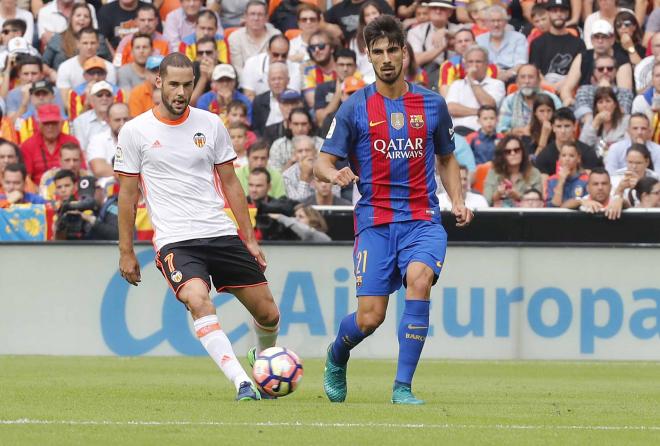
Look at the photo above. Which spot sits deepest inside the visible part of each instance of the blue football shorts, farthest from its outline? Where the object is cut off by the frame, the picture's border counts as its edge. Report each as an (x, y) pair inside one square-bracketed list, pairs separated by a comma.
[(382, 254)]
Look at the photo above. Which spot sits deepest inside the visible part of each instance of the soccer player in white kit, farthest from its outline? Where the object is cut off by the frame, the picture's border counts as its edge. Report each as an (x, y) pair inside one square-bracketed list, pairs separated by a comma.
[(182, 160)]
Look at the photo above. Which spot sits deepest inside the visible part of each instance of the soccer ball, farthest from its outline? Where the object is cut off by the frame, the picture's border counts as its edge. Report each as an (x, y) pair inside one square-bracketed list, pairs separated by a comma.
[(277, 371)]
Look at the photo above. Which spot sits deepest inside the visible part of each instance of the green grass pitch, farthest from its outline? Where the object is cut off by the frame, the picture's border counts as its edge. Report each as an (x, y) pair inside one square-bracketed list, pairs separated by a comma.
[(162, 401)]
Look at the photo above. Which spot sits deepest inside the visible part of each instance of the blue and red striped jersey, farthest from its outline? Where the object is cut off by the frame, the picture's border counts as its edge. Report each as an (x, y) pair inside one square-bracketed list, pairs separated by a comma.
[(391, 146)]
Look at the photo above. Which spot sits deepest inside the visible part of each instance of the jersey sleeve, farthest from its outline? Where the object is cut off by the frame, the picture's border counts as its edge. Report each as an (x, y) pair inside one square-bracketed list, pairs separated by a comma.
[(443, 136), (128, 155), (223, 151), (341, 134)]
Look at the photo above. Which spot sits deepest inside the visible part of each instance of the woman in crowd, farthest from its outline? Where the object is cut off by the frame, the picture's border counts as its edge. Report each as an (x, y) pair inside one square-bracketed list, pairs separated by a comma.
[(608, 124), (63, 46), (648, 191), (629, 36), (308, 224), (414, 73), (570, 182), (511, 175), (638, 165), (540, 128), (281, 152), (368, 12)]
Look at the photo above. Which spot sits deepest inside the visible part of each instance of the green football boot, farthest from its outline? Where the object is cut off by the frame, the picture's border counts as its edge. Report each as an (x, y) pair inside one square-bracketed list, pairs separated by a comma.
[(334, 379), (252, 356), (402, 394)]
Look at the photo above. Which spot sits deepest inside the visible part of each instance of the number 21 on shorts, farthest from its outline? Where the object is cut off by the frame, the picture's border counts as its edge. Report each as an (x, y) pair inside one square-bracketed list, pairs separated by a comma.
[(361, 263)]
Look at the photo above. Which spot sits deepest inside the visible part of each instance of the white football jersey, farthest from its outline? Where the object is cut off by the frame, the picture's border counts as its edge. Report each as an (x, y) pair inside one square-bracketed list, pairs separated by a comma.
[(176, 161)]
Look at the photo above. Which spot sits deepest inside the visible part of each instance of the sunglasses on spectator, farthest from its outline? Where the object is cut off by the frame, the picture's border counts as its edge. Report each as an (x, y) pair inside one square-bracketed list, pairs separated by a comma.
[(625, 24), (318, 46), (205, 52), (512, 151), (608, 68)]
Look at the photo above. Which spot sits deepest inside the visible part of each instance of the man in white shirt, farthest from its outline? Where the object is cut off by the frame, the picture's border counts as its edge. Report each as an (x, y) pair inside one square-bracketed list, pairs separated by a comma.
[(70, 73), (95, 120), (53, 18), (103, 145), (466, 95), (639, 132), (472, 200), (430, 40)]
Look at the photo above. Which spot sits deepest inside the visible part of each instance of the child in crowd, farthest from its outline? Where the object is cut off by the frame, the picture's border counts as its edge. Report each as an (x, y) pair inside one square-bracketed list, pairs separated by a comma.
[(237, 113), (238, 135), (483, 141)]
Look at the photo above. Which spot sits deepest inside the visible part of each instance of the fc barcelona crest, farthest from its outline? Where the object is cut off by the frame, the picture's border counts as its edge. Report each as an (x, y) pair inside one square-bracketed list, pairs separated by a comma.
[(199, 139), (397, 120), (416, 121)]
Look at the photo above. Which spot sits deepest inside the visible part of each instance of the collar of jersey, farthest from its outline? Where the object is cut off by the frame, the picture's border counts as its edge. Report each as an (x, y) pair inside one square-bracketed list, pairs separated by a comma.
[(181, 120)]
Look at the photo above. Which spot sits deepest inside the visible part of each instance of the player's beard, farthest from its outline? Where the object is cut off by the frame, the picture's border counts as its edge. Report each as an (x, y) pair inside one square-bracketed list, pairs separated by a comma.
[(172, 110), (394, 75)]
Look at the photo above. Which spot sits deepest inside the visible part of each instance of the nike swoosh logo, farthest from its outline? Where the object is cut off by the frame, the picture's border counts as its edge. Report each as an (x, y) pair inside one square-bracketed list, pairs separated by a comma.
[(374, 124), (416, 327)]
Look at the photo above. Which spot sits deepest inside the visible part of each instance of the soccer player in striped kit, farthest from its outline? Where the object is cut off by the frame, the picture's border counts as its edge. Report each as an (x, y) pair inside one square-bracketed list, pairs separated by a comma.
[(391, 132), (182, 159)]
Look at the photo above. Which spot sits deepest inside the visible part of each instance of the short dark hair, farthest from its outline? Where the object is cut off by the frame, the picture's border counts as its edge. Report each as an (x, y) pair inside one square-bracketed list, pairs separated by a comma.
[(642, 150), (17, 23), (256, 3), (148, 7), (599, 171), (207, 39), (539, 9), (261, 170), (29, 60), (277, 37), (64, 173), (345, 52), (142, 36), (640, 115), (385, 26), (237, 104), (177, 60), (207, 13), (259, 144), (534, 190), (71, 146), (645, 185), (16, 167), (485, 108), (563, 114), (87, 30)]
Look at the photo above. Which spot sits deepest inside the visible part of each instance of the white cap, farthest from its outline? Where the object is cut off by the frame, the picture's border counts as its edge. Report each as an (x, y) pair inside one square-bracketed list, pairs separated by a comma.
[(100, 86), (18, 45), (602, 27), (223, 70)]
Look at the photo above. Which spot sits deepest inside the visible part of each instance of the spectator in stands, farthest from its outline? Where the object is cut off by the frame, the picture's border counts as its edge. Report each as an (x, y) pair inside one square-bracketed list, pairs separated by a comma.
[(257, 155), (40, 93), (298, 177), (321, 68), (132, 74), (563, 127), (16, 52), (465, 96), (430, 40), (350, 85), (639, 132), (258, 188), (13, 184), (94, 120), (638, 166), (645, 69), (10, 29), (71, 72), (324, 195), (206, 25), (9, 11), (252, 38), (581, 71), (309, 21), (648, 191), (118, 19), (598, 197), (506, 48), (232, 12), (238, 135), (568, 186), (649, 101), (604, 75), (476, 19), (555, 51), (42, 150), (10, 154), (102, 146), (629, 36), (223, 91), (369, 11), (30, 70), (483, 141), (452, 68), (265, 108), (181, 22), (608, 125), (203, 66), (147, 23), (308, 224), (516, 109), (346, 13), (141, 98), (95, 70), (71, 159), (472, 200), (607, 11), (510, 175), (104, 225), (255, 75), (531, 198), (328, 95), (237, 112), (538, 133), (53, 18), (64, 46), (413, 72), (282, 156), (540, 20), (287, 101), (64, 182)]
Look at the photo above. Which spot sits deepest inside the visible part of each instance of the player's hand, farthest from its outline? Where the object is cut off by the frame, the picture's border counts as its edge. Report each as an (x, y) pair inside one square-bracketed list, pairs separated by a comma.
[(129, 268), (463, 215), (255, 250), (344, 177)]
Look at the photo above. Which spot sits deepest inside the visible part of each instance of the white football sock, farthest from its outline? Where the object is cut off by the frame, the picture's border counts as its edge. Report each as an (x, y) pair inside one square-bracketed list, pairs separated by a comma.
[(266, 336), (219, 348)]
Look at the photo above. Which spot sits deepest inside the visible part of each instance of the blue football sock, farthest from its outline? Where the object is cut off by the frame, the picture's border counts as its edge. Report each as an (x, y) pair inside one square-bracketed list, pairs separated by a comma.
[(413, 328), (348, 337)]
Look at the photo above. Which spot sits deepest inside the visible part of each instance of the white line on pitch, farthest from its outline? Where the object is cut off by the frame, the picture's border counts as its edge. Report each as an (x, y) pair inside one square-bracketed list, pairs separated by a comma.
[(27, 421)]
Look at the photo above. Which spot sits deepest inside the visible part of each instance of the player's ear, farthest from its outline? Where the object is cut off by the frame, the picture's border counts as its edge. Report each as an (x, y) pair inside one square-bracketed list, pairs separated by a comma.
[(159, 81)]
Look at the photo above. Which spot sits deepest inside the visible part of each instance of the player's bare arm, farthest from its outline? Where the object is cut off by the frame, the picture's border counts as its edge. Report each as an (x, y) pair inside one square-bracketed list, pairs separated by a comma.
[(128, 200), (235, 196), (451, 179), (324, 170)]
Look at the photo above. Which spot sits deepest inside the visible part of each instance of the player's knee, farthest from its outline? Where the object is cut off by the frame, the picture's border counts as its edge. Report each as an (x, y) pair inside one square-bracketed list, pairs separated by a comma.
[(197, 300), (269, 317), (419, 284), (370, 321)]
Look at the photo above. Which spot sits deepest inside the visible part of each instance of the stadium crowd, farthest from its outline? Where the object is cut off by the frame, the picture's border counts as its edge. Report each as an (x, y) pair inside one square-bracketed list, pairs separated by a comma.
[(555, 103)]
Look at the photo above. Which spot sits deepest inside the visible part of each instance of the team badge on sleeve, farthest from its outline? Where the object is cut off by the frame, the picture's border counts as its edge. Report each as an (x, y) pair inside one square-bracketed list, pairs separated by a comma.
[(199, 139), (397, 120), (416, 121)]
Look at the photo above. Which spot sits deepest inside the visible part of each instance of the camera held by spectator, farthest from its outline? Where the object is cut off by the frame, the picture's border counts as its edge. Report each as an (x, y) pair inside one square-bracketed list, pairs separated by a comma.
[(73, 214)]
